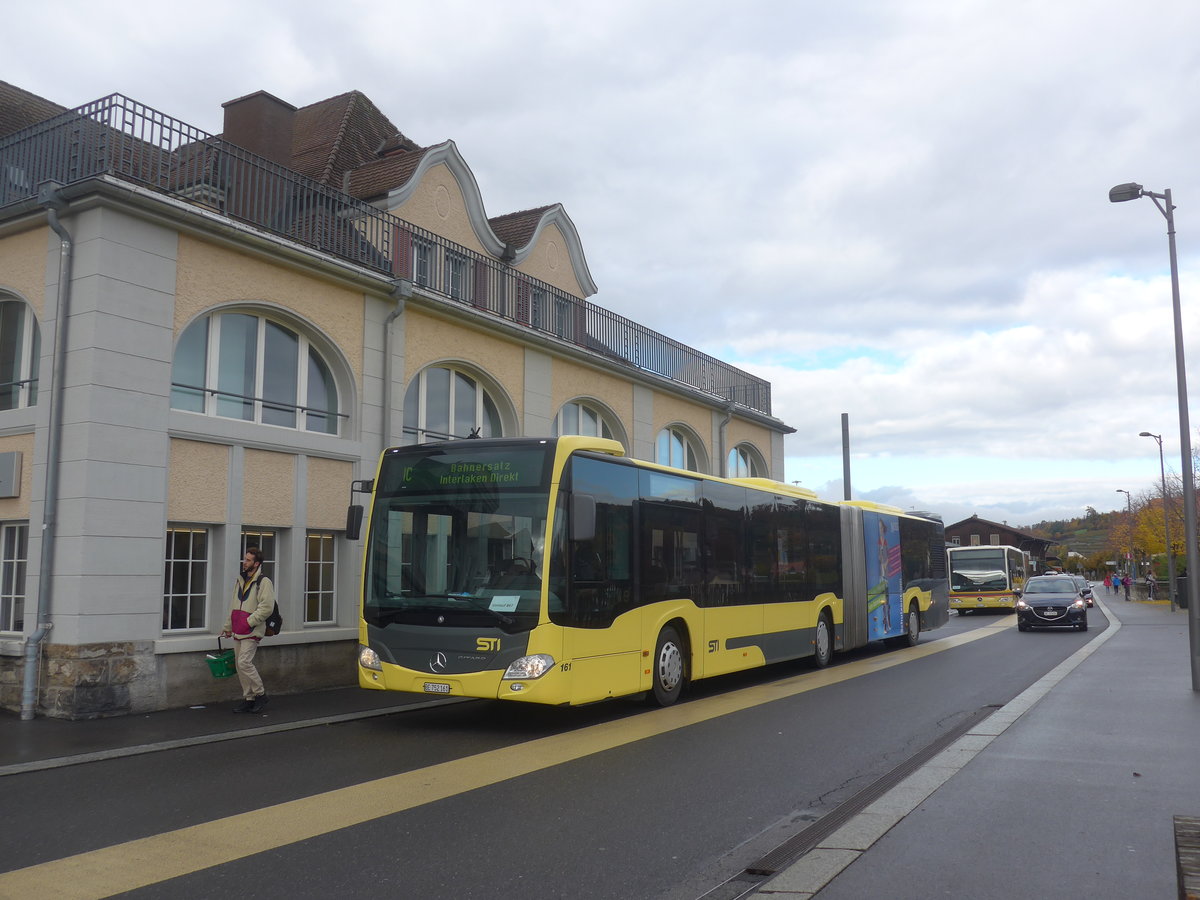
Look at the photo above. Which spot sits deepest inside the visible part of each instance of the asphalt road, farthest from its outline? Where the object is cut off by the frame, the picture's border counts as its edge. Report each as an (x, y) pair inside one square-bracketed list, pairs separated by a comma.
[(495, 801)]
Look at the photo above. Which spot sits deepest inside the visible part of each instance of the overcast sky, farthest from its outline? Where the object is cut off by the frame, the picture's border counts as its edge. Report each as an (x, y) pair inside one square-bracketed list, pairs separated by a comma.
[(894, 209)]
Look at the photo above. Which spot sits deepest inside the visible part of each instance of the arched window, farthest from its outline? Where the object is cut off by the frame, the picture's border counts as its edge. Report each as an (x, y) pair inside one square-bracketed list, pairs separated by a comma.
[(581, 417), (443, 403), (240, 365), (676, 448), (20, 350), (744, 462)]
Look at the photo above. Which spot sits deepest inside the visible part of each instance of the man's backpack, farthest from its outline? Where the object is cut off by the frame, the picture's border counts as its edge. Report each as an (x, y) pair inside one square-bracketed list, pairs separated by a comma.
[(274, 622)]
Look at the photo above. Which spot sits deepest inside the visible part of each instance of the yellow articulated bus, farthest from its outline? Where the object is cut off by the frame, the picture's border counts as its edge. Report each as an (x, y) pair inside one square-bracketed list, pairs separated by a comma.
[(986, 577), (559, 571)]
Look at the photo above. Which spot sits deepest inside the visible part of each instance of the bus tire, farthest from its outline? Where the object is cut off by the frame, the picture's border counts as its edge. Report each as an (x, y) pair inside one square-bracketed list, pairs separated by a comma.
[(669, 672), (823, 641), (912, 628)]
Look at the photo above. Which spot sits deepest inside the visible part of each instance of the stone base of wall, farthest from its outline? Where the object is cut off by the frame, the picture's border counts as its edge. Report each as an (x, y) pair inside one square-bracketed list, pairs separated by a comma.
[(97, 680)]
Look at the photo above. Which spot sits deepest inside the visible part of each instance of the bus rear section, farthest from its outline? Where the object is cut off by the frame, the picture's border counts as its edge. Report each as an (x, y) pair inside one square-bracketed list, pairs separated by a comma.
[(988, 577), (895, 575)]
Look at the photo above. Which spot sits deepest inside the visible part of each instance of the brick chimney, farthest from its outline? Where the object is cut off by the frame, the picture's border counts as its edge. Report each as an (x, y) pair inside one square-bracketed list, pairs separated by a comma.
[(262, 124)]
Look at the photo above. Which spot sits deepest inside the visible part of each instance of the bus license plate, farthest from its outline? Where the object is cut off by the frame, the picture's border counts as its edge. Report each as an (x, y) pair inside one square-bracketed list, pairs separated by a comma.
[(434, 687)]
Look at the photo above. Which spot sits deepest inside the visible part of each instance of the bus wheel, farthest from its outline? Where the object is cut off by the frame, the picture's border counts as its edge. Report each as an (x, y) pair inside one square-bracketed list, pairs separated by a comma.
[(912, 628), (669, 673), (823, 641)]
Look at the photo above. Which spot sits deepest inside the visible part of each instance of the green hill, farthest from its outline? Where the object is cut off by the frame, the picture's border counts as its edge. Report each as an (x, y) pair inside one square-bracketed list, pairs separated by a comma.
[(1086, 536)]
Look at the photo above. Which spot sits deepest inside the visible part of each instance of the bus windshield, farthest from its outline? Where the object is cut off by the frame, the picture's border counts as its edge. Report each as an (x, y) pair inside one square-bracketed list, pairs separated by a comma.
[(458, 536), (978, 570)]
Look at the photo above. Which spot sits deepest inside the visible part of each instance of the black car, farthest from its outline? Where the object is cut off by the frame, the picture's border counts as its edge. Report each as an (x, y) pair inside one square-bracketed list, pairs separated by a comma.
[(1085, 588), (1051, 601)]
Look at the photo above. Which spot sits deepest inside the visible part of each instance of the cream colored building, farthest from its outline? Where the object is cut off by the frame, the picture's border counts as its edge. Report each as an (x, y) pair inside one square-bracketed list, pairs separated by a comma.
[(204, 340)]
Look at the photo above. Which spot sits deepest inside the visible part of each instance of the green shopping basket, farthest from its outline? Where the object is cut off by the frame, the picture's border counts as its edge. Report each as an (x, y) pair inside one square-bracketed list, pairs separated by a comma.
[(221, 663)]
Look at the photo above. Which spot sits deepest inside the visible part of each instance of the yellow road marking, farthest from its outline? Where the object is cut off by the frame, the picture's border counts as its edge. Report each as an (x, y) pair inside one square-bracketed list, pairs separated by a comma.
[(161, 857)]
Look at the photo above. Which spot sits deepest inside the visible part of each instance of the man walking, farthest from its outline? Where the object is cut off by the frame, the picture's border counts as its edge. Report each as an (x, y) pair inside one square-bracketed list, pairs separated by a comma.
[(253, 600)]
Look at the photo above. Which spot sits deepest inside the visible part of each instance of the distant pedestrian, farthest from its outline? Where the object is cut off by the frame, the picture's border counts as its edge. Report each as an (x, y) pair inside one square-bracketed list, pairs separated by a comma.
[(1126, 582), (1108, 583)]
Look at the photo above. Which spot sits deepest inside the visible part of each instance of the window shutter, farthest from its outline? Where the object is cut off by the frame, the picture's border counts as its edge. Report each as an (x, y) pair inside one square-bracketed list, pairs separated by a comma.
[(401, 252), (523, 301), (480, 295), (580, 322)]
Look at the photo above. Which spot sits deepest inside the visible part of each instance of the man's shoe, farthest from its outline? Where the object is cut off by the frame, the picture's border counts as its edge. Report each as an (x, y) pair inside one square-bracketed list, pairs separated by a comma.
[(244, 706), (257, 705)]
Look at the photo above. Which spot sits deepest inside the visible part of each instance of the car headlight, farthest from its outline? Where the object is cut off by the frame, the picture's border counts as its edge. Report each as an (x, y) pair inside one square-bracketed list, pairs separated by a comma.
[(1080, 604), (1021, 604), (369, 659), (529, 668)]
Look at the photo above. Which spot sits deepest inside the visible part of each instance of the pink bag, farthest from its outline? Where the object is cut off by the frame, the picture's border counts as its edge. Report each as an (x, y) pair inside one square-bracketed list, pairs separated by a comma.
[(239, 622)]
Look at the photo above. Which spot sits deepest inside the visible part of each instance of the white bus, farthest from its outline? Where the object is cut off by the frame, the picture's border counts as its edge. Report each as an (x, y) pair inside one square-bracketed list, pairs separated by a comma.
[(986, 577)]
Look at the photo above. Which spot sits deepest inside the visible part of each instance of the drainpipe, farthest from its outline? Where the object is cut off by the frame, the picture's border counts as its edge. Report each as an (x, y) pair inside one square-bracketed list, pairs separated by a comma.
[(402, 289), (724, 470), (50, 198)]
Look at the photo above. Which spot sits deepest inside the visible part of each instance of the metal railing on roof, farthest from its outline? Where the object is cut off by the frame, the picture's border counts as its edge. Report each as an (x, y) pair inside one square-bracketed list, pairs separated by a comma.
[(122, 138)]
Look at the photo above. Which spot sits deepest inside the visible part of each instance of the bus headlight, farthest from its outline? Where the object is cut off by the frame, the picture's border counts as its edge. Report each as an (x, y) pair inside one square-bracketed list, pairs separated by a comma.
[(369, 659), (529, 668)]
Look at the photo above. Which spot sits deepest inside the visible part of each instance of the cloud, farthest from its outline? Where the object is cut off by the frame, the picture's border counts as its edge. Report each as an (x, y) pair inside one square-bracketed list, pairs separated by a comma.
[(893, 209)]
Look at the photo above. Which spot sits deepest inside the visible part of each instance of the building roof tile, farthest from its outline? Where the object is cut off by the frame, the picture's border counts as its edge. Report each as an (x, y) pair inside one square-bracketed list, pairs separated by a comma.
[(21, 109), (377, 177), (335, 136), (517, 228)]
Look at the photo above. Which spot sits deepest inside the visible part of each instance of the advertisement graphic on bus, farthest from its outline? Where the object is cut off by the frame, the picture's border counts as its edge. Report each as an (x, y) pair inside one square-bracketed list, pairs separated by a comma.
[(885, 595)]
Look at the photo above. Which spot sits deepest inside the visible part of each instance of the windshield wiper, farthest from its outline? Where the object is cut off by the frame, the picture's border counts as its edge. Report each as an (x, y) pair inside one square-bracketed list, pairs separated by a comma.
[(478, 604), (475, 602)]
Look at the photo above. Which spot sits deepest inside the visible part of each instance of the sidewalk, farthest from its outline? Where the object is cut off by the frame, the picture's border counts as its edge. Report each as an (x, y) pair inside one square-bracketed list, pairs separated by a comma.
[(45, 743), (1068, 791)]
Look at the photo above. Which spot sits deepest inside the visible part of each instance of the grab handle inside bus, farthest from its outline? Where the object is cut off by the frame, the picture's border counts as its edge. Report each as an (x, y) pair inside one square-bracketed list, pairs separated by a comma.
[(583, 517)]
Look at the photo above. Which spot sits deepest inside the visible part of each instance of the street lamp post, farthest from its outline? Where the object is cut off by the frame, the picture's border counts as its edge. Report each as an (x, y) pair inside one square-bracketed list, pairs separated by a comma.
[(1119, 194), (1129, 517), (1162, 469)]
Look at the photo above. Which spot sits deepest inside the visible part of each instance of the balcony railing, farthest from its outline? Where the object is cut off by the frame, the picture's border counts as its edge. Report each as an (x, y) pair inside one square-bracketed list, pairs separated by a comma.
[(119, 137)]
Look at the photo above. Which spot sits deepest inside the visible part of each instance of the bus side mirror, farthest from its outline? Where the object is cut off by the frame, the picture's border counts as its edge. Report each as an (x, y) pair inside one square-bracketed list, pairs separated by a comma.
[(354, 514), (583, 517), (354, 518)]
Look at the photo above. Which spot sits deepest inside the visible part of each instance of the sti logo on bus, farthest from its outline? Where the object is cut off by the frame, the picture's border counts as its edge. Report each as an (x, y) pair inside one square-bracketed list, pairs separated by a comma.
[(489, 645)]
